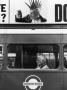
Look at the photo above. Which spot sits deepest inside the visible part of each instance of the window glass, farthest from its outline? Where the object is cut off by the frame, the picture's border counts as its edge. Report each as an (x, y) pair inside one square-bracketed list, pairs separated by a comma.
[(65, 56), (1, 55), (33, 56)]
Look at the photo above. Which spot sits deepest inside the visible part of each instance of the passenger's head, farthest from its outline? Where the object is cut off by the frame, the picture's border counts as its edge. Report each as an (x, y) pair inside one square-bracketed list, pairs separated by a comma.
[(41, 59)]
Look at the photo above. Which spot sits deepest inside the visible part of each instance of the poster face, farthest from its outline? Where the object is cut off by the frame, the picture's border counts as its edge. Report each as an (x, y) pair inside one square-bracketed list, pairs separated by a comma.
[(4, 11)]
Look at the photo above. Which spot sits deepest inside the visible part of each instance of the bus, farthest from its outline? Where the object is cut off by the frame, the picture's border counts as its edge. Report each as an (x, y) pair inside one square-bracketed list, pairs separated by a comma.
[(19, 59)]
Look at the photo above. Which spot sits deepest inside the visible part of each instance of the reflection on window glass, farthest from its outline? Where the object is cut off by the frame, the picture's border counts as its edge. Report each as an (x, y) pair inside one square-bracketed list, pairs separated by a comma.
[(65, 56), (33, 56), (1, 55), (1, 60), (11, 59)]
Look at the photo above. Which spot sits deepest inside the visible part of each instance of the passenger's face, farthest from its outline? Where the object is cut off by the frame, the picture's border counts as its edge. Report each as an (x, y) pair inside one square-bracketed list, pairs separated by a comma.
[(40, 60)]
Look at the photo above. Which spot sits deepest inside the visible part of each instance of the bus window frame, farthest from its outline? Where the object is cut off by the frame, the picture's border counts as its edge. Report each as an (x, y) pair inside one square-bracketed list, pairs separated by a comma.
[(22, 69), (64, 68)]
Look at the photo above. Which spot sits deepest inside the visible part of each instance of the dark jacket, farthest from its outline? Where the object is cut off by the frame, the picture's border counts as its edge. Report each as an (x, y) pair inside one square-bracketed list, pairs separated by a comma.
[(27, 19)]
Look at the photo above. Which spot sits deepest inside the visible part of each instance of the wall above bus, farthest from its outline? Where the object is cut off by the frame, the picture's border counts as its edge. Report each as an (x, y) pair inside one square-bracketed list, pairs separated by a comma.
[(32, 32)]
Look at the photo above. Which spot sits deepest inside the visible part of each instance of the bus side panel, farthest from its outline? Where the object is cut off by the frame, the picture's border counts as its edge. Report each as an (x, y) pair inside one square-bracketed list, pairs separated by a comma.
[(33, 39), (13, 80), (2, 78), (65, 80)]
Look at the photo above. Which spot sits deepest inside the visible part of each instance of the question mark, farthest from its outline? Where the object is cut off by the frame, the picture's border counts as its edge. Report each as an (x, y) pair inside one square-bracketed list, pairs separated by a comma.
[(3, 15)]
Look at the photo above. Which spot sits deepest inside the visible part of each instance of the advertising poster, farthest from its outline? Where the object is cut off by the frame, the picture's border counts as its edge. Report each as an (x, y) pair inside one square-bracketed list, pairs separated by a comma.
[(4, 11), (33, 11), (38, 11)]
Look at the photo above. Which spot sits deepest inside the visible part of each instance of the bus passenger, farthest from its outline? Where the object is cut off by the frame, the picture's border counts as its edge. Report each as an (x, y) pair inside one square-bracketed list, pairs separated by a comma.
[(41, 62)]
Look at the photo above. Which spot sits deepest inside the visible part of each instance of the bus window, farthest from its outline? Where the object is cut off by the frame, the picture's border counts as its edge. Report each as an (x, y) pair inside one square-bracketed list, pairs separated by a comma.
[(65, 56), (33, 56)]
